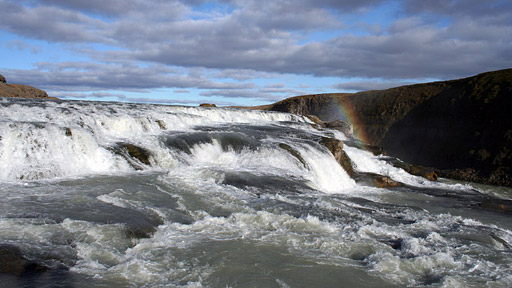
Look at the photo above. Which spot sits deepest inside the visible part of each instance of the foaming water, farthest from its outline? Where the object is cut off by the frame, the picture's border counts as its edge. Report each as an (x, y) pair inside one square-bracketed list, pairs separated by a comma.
[(129, 195)]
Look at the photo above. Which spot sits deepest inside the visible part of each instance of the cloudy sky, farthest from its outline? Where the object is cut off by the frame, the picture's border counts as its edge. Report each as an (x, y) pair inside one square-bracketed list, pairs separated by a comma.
[(246, 52)]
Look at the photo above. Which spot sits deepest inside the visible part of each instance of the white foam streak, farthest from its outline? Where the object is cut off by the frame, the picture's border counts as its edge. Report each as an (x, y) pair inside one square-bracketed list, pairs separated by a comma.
[(365, 161)]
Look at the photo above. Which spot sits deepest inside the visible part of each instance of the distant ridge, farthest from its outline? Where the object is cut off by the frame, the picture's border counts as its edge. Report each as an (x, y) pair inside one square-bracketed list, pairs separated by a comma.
[(20, 90), (462, 128)]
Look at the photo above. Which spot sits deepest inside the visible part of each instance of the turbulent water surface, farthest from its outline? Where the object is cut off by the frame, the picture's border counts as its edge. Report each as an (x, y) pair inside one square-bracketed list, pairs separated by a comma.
[(131, 195)]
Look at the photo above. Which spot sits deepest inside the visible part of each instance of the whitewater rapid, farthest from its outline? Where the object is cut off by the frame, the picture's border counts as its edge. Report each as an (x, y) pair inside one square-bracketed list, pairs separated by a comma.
[(64, 140), (135, 195)]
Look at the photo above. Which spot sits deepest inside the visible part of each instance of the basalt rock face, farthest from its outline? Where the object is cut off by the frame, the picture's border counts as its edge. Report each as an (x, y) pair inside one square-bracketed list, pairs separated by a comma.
[(20, 90), (454, 126), (466, 125)]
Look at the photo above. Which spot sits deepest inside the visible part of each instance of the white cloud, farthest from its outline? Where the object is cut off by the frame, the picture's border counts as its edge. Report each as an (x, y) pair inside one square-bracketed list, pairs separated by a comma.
[(140, 45)]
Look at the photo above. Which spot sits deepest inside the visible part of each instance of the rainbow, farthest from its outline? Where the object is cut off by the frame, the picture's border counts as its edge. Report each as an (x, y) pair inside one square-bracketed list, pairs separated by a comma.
[(346, 111)]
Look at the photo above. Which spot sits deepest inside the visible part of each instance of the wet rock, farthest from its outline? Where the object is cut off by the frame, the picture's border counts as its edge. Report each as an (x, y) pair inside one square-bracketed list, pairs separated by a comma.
[(140, 232), (375, 150), (135, 155), (342, 126), (427, 173), (13, 262), (318, 124), (497, 205), (376, 180), (207, 105), (396, 243), (161, 124), (467, 174), (336, 148), (384, 181), (137, 152), (316, 120), (294, 153), (501, 241)]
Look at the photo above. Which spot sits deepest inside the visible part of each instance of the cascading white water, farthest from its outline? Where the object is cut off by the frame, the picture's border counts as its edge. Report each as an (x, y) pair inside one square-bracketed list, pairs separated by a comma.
[(73, 139), (132, 195)]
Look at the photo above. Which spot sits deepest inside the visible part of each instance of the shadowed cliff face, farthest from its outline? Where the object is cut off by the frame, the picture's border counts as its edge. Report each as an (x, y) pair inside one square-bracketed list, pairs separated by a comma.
[(466, 125), (461, 127)]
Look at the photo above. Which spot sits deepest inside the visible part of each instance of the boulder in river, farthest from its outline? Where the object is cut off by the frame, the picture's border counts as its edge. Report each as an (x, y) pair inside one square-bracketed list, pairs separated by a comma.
[(13, 262), (134, 154), (376, 180), (336, 148)]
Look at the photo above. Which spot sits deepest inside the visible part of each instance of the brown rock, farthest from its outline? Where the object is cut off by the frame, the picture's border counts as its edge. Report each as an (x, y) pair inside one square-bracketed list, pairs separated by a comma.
[(385, 182), (137, 152), (427, 173), (14, 263), (316, 120), (135, 155), (294, 153), (376, 180), (342, 126), (207, 105), (161, 124), (468, 174), (336, 148), (25, 91), (21, 91), (317, 123)]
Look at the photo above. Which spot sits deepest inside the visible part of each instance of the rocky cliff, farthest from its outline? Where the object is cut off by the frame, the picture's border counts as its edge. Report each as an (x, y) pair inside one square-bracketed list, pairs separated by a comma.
[(20, 90), (462, 128)]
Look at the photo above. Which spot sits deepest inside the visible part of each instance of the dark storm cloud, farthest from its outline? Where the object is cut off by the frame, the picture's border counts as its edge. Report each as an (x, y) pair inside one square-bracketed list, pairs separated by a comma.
[(78, 76), (121, 8), (174, 101), (346, 6), (421, 51), (285, 15), (122, 97), (411, 47), (50, 23), (242, 94), (472, 8)]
